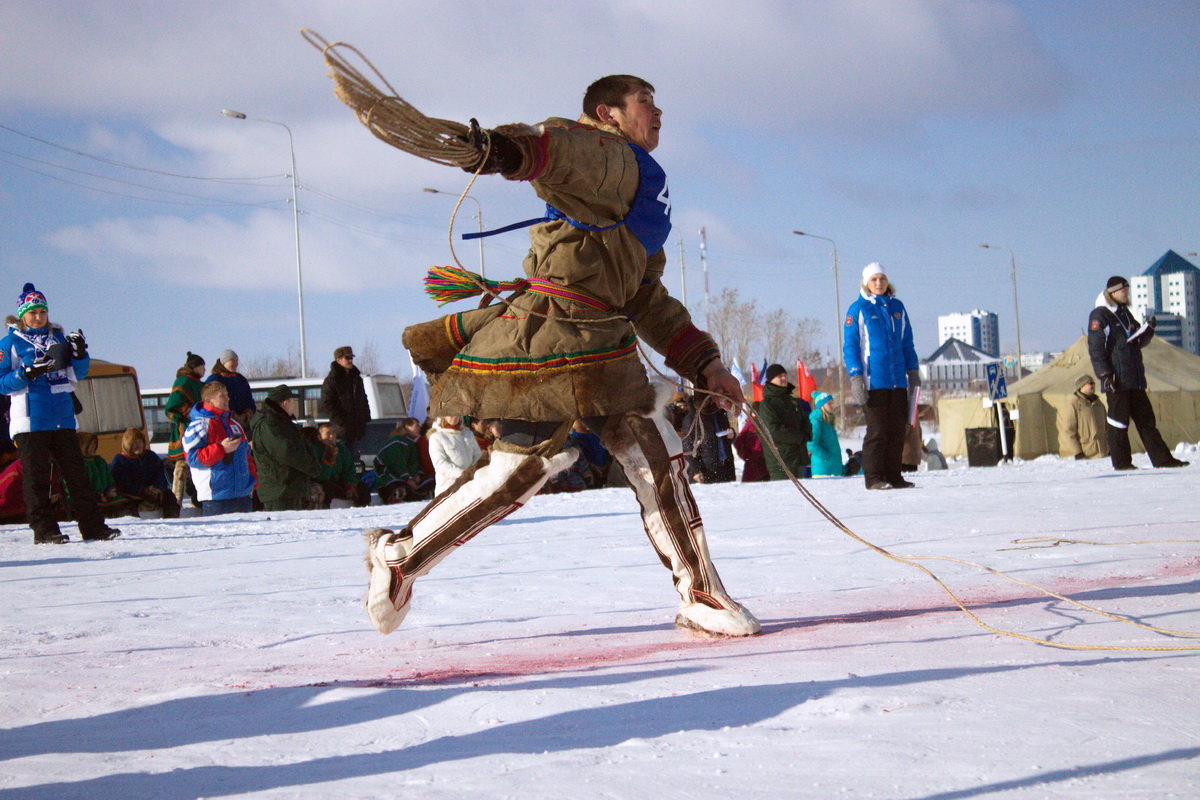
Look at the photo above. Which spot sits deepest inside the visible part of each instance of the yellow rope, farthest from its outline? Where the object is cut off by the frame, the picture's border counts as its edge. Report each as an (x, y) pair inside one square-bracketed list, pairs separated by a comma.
[(392, 120), (1042, 542), (911, 561)]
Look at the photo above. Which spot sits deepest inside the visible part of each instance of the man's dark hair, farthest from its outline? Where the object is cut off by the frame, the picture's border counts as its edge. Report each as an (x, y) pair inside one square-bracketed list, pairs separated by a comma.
[(610, 91)]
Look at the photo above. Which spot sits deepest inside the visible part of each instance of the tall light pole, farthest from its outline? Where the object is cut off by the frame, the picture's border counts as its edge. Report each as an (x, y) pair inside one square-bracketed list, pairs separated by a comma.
[(1016, 306), (296, 219), (478, 221), (704, 267), (837, 326)]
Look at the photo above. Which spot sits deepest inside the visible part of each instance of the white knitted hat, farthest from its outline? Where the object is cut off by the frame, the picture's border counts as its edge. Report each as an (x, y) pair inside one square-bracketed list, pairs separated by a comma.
[(873, 269)]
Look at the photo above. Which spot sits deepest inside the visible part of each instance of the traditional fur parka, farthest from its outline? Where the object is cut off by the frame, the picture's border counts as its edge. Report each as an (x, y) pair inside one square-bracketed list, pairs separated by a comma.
[(571, 353)]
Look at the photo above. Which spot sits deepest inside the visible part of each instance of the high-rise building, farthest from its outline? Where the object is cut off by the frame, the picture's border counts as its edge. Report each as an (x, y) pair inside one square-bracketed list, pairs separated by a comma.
[(1170, 289), (980, 329)]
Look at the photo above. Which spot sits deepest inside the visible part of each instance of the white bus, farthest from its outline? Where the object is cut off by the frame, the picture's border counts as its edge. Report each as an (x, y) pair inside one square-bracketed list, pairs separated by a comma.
[(384, 396)]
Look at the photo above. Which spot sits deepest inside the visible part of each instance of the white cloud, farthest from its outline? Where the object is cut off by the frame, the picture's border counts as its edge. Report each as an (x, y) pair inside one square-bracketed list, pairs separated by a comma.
[(764, 61), (257, 253)]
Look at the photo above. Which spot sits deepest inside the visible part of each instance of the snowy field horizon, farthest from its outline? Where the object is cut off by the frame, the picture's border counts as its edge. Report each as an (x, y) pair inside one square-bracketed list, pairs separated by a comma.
[(231, 656)]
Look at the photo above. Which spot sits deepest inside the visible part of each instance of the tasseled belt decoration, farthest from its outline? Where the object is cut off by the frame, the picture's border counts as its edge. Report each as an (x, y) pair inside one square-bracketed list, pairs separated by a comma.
[(447, 284)]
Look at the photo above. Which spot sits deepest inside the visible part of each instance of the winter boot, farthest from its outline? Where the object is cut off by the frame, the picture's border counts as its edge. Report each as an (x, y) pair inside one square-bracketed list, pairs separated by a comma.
[(717, 622), (389, 593), (651, 457), (51, 537), (101, 534)]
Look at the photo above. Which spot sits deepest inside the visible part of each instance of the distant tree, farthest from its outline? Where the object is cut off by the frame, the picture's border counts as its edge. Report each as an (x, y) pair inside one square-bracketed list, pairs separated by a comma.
[(744, 333), (367, 358), (734, 324), (272, 365)]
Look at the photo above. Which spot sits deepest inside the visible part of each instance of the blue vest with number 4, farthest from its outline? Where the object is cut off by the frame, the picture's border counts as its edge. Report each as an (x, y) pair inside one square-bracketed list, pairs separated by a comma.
[(649, 218)]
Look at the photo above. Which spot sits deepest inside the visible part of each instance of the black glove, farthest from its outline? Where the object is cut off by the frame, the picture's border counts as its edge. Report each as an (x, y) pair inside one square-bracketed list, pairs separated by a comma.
[(37, 369), (1152, 322), (78, 344), (1107, 385), (504, 157), (914, 378)]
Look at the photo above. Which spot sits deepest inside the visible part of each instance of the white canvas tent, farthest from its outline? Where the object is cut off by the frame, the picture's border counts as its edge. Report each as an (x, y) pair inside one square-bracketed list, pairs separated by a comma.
[(1172, 375)]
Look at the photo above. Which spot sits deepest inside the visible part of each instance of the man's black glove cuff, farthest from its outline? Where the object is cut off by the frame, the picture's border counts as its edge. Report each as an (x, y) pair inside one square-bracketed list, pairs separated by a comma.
[(504, 157)]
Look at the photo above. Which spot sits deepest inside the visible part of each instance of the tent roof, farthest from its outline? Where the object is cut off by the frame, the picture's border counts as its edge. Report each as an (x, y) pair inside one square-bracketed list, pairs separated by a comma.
[(1168, 368)]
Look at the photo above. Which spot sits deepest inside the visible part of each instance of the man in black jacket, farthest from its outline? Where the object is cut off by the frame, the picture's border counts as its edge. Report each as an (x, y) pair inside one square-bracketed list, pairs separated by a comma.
[(790, 429), (1115, 342), (344, 398)]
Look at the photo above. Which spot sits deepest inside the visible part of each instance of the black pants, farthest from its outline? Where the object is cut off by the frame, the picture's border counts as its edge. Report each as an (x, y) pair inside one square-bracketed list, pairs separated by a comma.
[(38, 451), (1133, 405), (887, 425)]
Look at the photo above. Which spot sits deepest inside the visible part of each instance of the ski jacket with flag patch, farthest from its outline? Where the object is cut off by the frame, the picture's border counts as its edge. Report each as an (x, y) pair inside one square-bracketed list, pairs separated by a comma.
[(218, 475), (45, 403), (1115, 342), (877, 341)]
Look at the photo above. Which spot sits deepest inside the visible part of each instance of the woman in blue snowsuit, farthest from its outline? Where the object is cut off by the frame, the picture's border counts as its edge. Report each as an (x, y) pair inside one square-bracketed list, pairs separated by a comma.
[(877, 347), (38, 364)]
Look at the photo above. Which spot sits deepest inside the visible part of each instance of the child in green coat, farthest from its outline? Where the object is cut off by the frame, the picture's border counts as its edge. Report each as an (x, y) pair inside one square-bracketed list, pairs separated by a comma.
[(824, 446)]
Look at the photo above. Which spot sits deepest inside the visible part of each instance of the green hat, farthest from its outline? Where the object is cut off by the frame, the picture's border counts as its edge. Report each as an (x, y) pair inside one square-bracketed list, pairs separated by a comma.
[(280, 393)]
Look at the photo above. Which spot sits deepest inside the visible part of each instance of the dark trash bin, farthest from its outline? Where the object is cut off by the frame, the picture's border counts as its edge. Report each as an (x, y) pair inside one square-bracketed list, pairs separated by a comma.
[(983, 447)]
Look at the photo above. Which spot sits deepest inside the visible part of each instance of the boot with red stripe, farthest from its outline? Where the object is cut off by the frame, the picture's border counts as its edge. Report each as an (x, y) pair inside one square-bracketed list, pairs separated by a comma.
[(389, 592)]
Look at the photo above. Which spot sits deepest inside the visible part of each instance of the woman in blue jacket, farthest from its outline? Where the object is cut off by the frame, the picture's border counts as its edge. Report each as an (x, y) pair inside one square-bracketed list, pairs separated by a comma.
[(38, 364), (877, 347)]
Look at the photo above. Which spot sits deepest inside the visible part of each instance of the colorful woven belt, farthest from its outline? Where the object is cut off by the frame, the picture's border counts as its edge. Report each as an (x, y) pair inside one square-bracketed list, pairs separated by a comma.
[(447, 284)]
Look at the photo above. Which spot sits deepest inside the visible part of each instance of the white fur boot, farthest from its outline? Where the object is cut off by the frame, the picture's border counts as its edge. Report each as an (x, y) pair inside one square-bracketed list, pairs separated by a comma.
[(717, 621), (389, 593)]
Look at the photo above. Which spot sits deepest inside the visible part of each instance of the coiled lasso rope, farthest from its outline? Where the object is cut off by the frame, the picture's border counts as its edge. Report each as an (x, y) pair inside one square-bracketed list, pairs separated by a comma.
[(394, 121)]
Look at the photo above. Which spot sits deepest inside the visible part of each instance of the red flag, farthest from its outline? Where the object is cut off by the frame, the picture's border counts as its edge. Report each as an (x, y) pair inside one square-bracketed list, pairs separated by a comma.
[(806, 384), (756, 383)]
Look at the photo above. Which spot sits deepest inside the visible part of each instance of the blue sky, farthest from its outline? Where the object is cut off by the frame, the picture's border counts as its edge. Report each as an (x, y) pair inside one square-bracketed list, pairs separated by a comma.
[(910, 132)]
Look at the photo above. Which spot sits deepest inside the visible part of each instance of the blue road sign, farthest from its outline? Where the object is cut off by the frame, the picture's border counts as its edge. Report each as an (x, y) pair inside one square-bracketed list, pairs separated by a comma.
[(997, 385)]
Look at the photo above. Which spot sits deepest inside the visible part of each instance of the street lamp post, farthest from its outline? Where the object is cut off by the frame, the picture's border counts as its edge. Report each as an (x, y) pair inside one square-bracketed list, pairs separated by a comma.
[(478, 221), (296, 220), (837, 327), (1016, 305)]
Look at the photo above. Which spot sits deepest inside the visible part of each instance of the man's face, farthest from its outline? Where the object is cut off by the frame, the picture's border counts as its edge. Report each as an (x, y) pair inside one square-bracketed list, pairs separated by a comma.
[(780, 380), (346, 361), (639, 119), (1121, 296), (327, 434)]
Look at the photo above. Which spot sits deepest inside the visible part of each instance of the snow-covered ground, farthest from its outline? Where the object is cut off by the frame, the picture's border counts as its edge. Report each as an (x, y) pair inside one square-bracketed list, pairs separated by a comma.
[(232, 658)]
